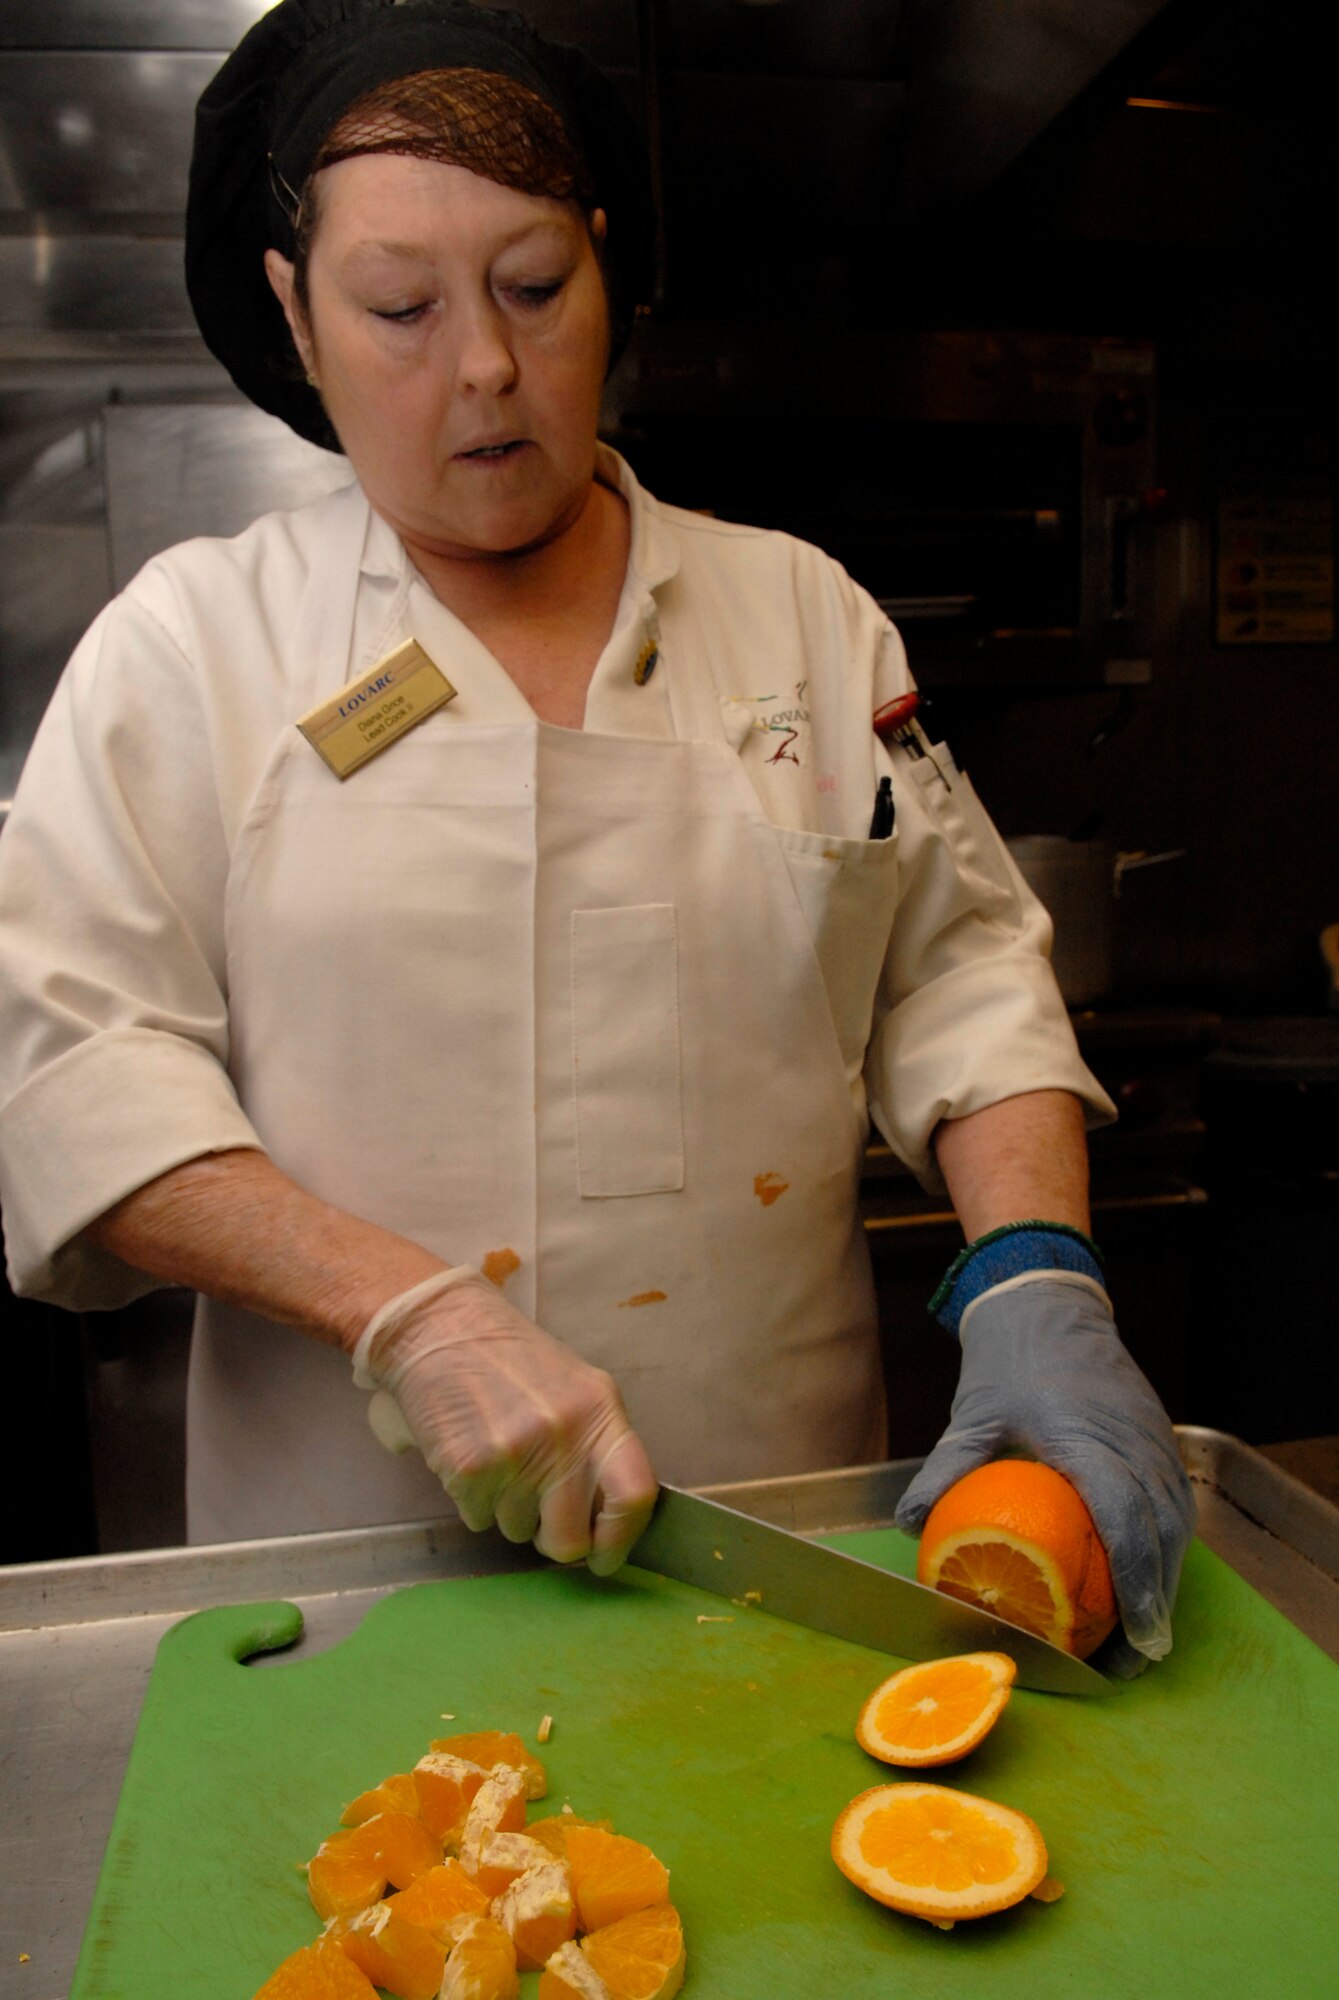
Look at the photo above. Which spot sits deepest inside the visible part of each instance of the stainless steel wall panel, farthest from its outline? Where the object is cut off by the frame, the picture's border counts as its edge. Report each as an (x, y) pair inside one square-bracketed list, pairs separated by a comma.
[(130, 290), (198, 469), (126, 24), (106, 132)]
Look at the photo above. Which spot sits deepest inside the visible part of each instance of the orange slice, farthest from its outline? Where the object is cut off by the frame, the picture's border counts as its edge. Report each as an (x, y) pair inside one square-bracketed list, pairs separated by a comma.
[(351, 1868), (482, 1964), (936, 1853), (345, 1874), (487, 1747), (1015, 1538), (504, 1856), (439, 1898), (612, 1876), (497, 1807), (402, 1957), (538, 1913), (641, 1957), (395, 1794), (937, 1711), (446, 1785), (320, 1971), (569, 1975), (553, 1831)]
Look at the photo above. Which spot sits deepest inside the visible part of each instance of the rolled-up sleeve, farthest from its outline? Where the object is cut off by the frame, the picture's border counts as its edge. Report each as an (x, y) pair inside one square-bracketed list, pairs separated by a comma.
[(113, 1005), (968, 1011)]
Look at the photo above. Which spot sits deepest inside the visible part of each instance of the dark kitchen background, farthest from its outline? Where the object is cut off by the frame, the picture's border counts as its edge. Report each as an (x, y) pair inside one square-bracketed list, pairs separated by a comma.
[(1024, 309)]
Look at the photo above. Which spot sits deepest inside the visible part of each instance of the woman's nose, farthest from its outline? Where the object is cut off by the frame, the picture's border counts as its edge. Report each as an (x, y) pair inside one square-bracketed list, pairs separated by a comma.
[(484, 358)]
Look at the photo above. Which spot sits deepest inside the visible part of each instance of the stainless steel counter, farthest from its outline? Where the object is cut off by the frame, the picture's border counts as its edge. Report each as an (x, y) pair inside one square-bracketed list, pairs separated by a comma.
[(77, 1642)]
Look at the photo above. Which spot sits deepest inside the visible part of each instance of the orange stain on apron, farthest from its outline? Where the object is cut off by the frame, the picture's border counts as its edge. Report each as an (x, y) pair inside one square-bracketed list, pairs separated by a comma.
[(643, 1299), (498, 1266), (769, 1188)]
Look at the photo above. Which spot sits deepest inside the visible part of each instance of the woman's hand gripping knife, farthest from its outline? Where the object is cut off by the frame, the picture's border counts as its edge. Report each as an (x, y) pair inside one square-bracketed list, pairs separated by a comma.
[(518, 1428), (1045, 1373)]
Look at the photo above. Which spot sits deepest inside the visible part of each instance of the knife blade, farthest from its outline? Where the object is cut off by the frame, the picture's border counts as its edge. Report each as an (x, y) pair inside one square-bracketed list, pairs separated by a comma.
[(757, 1566)]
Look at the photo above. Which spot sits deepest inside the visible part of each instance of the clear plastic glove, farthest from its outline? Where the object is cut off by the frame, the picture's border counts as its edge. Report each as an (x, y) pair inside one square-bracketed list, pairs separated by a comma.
[(1044, 1372), (518, 1428)]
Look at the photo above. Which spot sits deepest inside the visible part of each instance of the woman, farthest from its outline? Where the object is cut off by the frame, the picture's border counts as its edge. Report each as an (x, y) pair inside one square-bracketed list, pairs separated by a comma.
[(529, 1060)]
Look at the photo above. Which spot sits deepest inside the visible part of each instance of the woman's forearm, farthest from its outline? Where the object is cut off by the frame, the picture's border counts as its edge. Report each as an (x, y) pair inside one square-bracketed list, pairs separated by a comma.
[(233, 1226), (1022, 1158)]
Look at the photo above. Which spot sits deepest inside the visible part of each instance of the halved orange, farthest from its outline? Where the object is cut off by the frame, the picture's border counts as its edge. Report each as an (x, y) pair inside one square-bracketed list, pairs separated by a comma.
[(939, 1854), (538, 1913), (936, 1711), (641, 1957), (404, 1958), (1015, 1538), (481, 1964), (612, 1876), (438, 1898), (320, 1971), (487, 1747), (397, 1793)]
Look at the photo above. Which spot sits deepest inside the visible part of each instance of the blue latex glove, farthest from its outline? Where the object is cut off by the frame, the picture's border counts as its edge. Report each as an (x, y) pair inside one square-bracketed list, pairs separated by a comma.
[(1045, 1374)]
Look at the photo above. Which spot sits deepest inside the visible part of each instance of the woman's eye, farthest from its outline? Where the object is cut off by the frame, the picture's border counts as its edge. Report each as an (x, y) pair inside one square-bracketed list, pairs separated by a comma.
[(532, 297), (399, 315)]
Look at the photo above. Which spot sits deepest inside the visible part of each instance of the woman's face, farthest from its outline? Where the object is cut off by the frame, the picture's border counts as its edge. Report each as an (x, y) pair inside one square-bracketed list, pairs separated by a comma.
[(458, 333)]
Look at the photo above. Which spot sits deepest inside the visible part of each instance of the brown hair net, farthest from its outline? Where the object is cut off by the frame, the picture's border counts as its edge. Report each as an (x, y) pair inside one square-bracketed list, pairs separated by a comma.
[(488, 123)]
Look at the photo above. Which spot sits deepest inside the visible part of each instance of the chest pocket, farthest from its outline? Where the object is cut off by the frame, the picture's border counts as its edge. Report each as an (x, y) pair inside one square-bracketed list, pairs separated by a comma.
[(847, 893), (626, 1050)]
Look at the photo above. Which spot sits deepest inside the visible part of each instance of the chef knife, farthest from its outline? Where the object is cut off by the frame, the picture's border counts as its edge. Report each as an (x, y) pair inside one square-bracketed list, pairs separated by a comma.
[(759, 1567)]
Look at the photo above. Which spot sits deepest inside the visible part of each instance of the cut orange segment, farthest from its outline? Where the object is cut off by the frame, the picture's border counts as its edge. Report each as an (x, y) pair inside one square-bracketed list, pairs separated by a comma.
[(641, 1957), (345, 1874), (554, 1830), (538, 1913), (394, 1794), (569, 1975), (935, 1712), (1015, 1538), (612, 1876), (936, 1853), (504, 1856), (320, 1971), (402, 1957), (438, 1898), (446, 1785), (405, 1847), (481, 1964), (487, 1747), (351, 1868), (497, 1807)]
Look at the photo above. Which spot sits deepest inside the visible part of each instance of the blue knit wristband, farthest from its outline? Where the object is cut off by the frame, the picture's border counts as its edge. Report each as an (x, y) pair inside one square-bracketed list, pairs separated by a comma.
[(1008, 1253)]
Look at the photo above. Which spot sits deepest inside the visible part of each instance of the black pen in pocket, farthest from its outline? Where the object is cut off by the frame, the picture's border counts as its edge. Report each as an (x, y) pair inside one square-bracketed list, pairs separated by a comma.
[(882, 823)]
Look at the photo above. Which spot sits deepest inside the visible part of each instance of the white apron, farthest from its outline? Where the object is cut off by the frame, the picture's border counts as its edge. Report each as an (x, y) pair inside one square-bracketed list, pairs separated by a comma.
[(528, 990)]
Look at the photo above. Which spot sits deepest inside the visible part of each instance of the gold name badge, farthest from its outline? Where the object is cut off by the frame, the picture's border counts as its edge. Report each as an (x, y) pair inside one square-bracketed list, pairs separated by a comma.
[(367, 716)]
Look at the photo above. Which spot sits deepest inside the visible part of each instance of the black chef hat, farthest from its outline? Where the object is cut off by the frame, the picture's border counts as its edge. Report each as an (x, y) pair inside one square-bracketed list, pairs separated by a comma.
[(263, 119)]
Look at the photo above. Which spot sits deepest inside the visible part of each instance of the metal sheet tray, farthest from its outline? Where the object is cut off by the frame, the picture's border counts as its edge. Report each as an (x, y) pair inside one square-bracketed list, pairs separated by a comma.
[(77, 1642)]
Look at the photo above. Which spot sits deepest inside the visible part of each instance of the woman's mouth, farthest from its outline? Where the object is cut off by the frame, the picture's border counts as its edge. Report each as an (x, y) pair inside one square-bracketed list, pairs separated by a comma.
[(490, 454)]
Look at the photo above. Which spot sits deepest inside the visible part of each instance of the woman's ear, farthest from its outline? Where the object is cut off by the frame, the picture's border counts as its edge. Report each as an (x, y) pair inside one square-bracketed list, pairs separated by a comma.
[(281, 275), (598, 226)]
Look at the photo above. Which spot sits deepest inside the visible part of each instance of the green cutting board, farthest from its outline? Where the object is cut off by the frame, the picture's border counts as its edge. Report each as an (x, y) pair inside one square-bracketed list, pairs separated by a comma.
[(1194, 1819)]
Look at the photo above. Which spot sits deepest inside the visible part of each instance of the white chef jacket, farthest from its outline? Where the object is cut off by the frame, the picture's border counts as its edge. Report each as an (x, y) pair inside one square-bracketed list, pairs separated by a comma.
[(114, 1013)]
